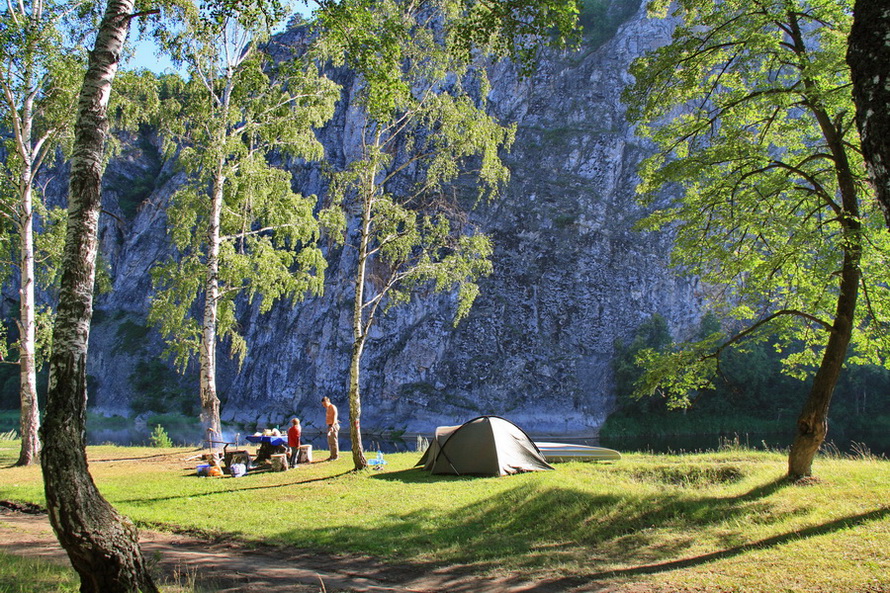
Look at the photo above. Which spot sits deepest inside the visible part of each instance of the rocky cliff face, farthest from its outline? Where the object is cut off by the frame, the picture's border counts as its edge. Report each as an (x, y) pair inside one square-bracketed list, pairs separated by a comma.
[(571, 275)]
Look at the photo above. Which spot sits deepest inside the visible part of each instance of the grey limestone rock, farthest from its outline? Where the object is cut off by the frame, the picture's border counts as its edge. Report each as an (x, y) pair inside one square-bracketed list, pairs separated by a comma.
[(571, 275)]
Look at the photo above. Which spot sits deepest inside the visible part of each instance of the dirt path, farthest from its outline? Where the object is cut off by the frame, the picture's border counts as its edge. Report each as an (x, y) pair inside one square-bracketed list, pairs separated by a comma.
[(225, 567)]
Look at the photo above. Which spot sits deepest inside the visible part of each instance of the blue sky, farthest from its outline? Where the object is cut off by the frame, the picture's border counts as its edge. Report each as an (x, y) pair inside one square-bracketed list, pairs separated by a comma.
[(145, 50), (144, 57)]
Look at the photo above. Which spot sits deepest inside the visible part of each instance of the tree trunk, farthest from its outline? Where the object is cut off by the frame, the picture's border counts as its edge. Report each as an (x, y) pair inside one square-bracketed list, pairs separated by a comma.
[(868, 56), (102, 545), (209, 399), (30, 419), (812, 424), (359, 334), (355, 407)]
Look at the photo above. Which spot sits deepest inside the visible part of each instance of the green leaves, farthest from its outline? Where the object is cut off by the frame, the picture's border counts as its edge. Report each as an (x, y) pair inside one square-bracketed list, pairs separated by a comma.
[(238, 225), (758, 170), (514, 28), (427, 128)]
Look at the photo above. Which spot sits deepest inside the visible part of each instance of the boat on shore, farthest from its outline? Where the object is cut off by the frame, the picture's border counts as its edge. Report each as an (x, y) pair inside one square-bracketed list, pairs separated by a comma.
[(570, 452)]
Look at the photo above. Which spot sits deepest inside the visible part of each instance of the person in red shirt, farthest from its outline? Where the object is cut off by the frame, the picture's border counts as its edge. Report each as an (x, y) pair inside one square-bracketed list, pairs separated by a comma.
[(293, 441)]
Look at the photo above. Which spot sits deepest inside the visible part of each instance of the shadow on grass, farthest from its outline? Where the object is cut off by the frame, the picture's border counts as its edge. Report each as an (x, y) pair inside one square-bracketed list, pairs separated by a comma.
[(144, 500), (142, 458), (533, 526), (417, 475), (769, 542)]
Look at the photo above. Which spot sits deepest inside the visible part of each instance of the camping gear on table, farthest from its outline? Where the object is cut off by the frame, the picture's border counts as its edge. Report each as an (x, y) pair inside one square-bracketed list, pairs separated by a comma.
[(273, 440), (484, 446), (554, 452)]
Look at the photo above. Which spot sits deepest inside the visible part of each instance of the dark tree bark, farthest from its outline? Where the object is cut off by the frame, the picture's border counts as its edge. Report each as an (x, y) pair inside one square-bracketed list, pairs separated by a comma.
[(868, 56), (102, 544), (812, 424)]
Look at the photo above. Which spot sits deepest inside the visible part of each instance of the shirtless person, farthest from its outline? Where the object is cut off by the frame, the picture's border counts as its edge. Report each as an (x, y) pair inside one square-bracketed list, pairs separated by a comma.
[(333, 422)]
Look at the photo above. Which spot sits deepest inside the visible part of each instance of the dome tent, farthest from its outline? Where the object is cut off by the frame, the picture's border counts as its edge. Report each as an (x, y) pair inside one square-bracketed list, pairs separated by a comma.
[(484, 446)]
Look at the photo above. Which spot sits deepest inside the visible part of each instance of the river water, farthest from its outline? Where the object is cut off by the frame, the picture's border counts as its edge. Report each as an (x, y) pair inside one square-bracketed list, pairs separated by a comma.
[(878, 444)]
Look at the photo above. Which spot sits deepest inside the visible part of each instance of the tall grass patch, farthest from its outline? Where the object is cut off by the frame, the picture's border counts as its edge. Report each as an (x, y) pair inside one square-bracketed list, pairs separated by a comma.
[(29, 575)]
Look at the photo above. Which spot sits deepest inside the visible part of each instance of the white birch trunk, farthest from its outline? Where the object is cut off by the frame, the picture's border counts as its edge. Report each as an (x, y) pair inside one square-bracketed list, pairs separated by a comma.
[(23, 129), (30, 419), (209, 399), (103, 545), (359, 334)]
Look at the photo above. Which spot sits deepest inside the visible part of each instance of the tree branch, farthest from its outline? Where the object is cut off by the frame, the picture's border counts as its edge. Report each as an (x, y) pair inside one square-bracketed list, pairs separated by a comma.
[(741, 335)]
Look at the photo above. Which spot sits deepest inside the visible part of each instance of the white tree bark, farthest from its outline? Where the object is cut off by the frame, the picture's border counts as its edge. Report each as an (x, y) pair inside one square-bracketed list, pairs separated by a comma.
[(103, 546), (209, 398), (359, 334), (30, 419)]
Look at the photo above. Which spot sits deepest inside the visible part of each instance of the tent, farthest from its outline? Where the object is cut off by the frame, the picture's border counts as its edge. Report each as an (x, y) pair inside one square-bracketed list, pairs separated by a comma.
[(484, 446)]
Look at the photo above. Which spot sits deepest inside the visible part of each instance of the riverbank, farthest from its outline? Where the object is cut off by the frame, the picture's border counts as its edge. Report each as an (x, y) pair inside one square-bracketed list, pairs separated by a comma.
[(724, 521), (700, 430)]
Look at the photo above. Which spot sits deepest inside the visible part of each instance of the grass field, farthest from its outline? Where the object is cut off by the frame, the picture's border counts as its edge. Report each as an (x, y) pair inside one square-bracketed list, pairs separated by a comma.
[(724, 521)]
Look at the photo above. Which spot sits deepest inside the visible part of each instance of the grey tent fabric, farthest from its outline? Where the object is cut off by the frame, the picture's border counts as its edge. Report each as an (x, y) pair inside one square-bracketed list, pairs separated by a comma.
[(484, 446)]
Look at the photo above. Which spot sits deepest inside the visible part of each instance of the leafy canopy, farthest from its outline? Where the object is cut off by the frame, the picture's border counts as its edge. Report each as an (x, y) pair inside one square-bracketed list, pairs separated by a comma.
[(238, 110), (424, 127), (750, 108)]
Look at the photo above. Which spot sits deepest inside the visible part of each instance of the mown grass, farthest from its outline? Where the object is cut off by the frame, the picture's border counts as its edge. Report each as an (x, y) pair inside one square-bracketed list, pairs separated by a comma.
[(724, 521)]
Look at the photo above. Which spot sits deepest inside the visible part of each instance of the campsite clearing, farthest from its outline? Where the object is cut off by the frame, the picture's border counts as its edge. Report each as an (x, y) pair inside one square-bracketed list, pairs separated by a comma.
[(723, 521)]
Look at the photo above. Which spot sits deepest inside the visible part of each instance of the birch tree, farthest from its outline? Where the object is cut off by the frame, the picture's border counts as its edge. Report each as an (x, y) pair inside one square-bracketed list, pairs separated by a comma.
[(750, 107), (237, 225), (424, 125), (39, 70), (868, 56), (101, 544)]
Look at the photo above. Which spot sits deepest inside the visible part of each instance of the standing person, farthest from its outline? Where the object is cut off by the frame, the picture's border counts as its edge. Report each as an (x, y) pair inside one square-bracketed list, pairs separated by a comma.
[(293, 441), (333, 423)]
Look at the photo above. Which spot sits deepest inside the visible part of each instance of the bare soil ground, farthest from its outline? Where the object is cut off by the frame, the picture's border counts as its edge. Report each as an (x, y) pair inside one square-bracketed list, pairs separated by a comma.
[(232, 567)]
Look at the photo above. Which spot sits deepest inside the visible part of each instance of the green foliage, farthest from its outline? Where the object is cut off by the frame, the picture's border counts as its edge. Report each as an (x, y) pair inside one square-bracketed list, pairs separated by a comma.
[(760, 176), (511, 27), (653, 334), (43, 65), (236, 110), (427, 127), (157, 388), (749, 392), (41, 69), (160, 438)]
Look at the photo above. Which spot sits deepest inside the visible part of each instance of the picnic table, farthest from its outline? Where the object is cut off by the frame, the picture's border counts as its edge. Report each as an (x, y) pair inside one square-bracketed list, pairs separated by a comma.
[(268, 445), (273, 440)]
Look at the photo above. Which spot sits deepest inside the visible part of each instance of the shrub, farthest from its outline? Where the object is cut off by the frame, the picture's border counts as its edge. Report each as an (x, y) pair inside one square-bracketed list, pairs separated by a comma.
[(160, 438)]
